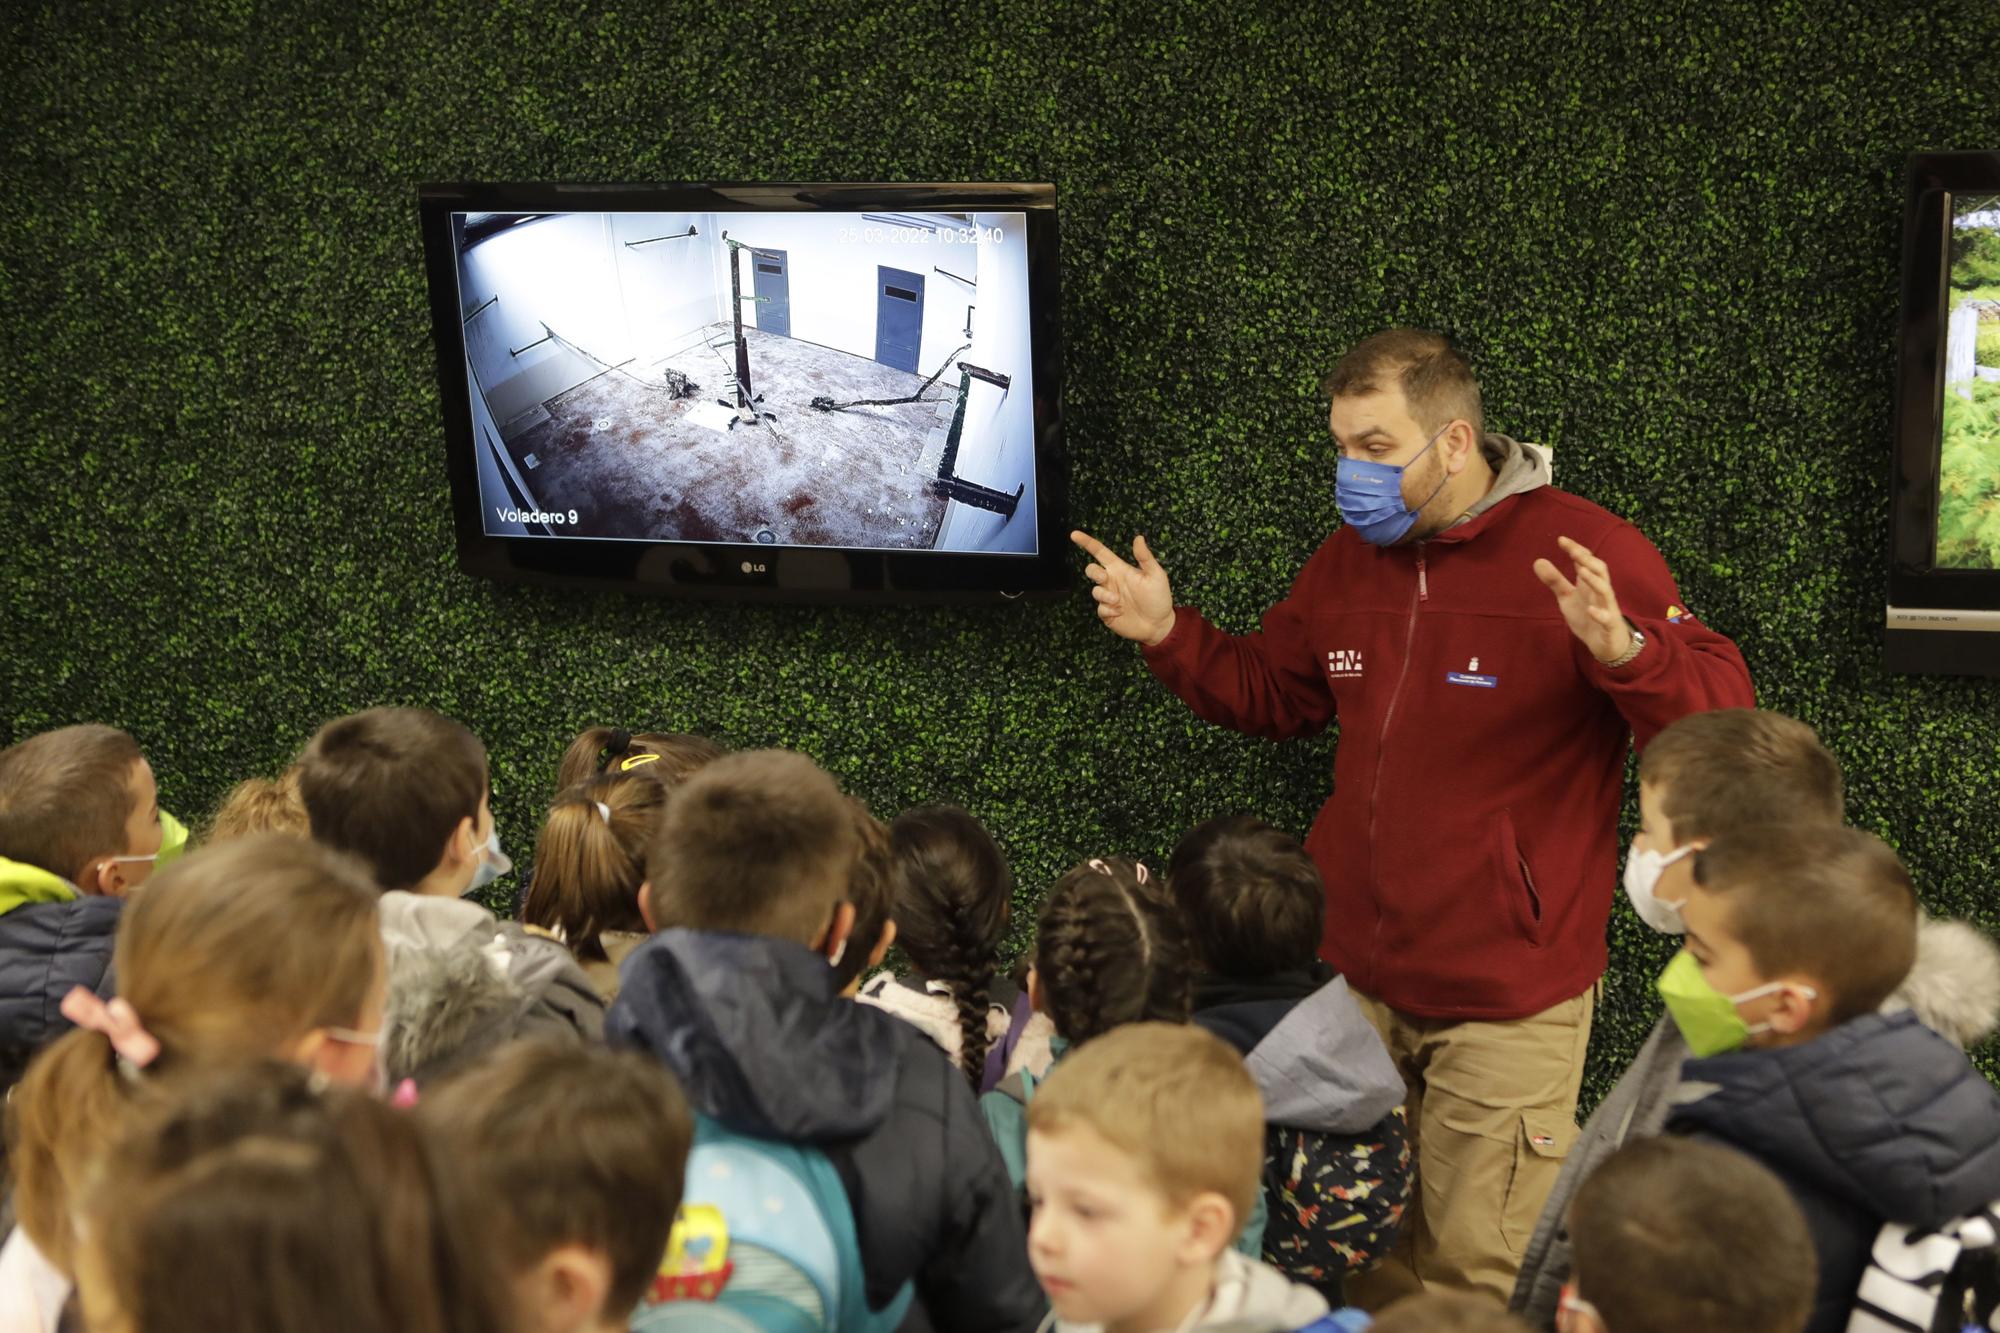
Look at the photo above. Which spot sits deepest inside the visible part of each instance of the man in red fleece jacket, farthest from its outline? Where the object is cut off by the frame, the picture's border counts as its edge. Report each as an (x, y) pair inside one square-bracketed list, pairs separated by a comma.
[(1485, 700)]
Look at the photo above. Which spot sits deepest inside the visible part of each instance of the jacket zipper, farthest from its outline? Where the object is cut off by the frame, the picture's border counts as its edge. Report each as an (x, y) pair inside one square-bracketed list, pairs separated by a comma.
[(1381, 750)]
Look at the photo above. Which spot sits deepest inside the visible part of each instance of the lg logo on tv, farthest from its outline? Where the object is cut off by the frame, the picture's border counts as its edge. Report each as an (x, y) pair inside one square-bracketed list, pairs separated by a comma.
[(752, 567)]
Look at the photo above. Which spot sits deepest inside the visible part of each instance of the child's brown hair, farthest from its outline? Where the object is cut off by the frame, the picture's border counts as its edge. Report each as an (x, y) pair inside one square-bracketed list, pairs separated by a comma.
[(1824, 901), (1727, 767), (1174, 1097), (1672, 1234), (871, 890), (761, 842), (953, 893), (390, 785), (260, 805), (65, 797), (582, 1145), (232, 951), (1253, 899), (247, 1200), (670, 756), (1111, 948), (591, 859)]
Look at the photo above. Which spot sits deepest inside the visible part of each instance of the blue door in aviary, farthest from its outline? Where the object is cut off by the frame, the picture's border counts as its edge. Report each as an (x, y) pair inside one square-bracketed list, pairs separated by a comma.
[(773, 291), (899, 317)]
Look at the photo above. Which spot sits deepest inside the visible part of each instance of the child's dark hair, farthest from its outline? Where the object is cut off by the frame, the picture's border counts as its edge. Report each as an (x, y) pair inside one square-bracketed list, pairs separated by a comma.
[(1110, 948), (390, 785), (953, 892), (65, 796), (670, 755), (870, 891), (1253, 899), (249, 1200), (585, 1146), (1672, 1233), (591, 859)]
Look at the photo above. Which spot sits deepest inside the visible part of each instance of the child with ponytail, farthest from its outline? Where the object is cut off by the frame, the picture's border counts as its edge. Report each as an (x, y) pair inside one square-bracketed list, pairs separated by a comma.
[(952, 897), (589, 864), (671, 756), (265, 947)]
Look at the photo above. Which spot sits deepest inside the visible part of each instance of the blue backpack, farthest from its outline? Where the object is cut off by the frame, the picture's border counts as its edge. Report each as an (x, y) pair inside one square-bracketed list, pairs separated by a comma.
[(764, 1242)]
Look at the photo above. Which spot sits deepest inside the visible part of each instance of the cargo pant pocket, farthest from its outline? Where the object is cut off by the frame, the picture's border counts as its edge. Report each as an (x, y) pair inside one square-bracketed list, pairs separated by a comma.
[(1543, 1141)]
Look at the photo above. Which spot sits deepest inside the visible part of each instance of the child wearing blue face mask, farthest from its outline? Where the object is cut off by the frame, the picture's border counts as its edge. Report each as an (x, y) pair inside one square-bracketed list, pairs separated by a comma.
[(1796, 935), (406, 790), (1699, 778)]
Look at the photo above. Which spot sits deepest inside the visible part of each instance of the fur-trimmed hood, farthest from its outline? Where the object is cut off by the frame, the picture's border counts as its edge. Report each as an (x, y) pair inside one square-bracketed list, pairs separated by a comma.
[(462, 982), (1954, 985)]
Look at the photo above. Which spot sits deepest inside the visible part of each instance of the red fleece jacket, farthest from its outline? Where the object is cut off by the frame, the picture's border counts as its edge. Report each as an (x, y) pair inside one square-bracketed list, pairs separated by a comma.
[(1469, 847)]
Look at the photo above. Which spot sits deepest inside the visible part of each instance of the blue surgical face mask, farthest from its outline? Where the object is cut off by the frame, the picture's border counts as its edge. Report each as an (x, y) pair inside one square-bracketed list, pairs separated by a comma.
[(1370, 496), (493, 863)]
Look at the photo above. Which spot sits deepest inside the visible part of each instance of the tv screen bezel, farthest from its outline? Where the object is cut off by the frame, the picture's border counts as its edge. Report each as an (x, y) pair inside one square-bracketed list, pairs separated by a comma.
[(749, 570), (1914, 577)]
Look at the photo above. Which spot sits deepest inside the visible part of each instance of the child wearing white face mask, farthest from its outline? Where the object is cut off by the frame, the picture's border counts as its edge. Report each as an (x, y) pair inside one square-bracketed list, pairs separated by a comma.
[(1699, 778), (406, 790)]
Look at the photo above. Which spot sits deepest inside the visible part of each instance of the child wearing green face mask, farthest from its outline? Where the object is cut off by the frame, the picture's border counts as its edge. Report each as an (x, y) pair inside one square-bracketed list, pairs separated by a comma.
[(1700, 778), (81, 830), (1796, 934)]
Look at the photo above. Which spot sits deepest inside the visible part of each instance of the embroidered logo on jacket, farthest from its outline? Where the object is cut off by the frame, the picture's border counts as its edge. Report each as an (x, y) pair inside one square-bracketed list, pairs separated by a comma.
[(1344, 663), (1471, 676)]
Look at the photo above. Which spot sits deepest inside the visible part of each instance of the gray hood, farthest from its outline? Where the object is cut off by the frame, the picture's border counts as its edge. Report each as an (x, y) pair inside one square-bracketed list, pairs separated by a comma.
[(1324, 1068), (1250, 1297), (1518, 467)]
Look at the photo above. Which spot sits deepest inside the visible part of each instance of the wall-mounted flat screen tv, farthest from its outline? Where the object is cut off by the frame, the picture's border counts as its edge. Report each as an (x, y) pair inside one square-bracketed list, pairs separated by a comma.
[(771, 390), (1944, 573)]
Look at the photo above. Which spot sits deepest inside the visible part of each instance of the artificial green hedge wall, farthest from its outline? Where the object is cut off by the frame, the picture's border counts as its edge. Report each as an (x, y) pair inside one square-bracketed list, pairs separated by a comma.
[(1667, 234)]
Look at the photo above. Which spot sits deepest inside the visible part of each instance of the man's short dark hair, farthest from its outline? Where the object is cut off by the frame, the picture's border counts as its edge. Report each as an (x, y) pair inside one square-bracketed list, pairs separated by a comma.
[(579, 1145), (1437, 381), (1671, 1234), (65, 797), (1733, 766), (390, 785), (760, 842), (1253, 899)]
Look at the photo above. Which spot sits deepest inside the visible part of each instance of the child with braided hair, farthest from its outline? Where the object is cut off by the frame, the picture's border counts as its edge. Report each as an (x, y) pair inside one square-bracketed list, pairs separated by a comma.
[(1110, 948), (952, 898)]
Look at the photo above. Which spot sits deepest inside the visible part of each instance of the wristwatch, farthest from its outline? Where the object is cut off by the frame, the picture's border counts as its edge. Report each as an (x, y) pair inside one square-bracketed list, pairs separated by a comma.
[(1625, 658)]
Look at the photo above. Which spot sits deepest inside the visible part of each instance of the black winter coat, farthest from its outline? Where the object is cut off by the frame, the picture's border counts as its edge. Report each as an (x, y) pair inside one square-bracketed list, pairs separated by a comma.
[(1880, 1120), (759, 1037)]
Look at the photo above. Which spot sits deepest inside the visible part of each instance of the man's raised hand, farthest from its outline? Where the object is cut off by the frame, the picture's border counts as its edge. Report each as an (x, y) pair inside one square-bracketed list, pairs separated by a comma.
[(1588, 605), (1133, 598)]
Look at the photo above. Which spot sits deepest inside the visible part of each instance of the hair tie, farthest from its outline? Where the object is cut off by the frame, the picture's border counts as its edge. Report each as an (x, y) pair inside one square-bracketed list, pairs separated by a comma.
[(117, 1021), (1131, 904), (604, 812), (620, 742)]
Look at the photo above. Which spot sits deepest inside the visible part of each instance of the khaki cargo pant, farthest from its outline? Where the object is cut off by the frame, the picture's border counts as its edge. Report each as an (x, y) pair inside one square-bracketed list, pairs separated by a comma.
[(1492, 1111)]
